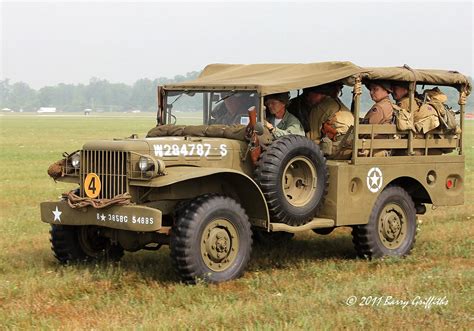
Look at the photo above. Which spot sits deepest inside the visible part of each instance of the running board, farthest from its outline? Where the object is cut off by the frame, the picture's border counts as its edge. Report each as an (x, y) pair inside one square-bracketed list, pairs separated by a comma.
[(316, 223)]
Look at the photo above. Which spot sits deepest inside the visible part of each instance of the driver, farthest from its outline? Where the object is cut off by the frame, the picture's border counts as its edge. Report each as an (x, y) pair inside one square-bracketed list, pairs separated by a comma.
[(232, 109)]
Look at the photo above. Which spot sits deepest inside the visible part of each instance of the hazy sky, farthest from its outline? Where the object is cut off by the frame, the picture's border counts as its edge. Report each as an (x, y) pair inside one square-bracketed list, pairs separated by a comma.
[(48, 43)]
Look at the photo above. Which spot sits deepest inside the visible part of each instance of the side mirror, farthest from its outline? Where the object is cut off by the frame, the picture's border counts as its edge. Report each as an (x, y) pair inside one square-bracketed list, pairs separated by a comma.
[(258, 128)]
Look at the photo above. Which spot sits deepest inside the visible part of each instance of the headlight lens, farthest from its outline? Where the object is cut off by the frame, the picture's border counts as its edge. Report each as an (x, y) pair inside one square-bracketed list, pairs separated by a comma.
[(144, 163), (76, 161)]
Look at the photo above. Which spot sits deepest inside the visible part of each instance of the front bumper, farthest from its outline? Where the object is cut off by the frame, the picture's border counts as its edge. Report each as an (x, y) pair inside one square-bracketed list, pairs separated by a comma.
[(131, 218)]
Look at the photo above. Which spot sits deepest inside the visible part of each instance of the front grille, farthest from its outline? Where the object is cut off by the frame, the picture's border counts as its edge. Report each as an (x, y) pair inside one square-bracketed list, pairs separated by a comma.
[(110, 166)]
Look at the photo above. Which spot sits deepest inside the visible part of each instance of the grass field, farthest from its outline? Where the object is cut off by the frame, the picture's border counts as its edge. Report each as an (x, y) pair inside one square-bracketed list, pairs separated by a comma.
[(303, 285)]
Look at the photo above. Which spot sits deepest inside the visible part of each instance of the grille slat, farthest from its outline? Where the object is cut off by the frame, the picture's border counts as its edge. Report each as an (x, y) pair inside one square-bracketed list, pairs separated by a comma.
[(110, 166)]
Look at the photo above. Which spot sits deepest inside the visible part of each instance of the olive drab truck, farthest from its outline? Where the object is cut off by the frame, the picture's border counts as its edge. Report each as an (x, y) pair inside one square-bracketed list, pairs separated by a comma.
[(210, 179)]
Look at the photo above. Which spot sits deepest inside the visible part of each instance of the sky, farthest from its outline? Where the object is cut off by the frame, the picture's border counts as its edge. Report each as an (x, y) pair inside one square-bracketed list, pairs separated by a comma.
[(46, 43)]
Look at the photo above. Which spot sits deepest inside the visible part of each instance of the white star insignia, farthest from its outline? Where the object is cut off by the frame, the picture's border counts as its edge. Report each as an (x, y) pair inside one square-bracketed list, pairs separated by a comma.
[(374, 179), (102, 218), (57, 215)]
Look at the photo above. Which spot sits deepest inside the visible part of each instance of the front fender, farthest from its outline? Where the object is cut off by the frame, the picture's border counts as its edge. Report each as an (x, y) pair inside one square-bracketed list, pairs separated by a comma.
[(249, 194)]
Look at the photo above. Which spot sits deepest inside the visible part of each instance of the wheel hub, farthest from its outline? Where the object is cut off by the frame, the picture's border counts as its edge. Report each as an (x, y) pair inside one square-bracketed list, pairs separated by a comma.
[(392, 226), (219, 244), (299, 181)]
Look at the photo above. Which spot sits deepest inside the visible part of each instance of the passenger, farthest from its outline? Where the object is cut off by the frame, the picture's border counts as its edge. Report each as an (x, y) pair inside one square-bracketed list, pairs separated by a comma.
[(279, 121), (233, 108), (337, 136), (382, 111), (401, 97), (301, 105), (324, 104)]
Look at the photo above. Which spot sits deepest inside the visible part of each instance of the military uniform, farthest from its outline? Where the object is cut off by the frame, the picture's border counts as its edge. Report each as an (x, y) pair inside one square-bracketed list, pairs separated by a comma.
[(221, 115), (380, 113), (289, 124), (323, 112), (404, 103), (337, 136)]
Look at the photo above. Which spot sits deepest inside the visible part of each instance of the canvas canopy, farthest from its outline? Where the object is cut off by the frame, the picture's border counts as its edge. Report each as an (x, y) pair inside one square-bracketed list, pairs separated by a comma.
[(424, 76), (276, 78), (269, 78)]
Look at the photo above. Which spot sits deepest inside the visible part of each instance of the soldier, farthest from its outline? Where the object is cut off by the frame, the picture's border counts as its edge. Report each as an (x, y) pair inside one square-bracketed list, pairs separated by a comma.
[(232, 109), (279, 121), (400, 95), (301, 105), (382, 111), (325, 103)]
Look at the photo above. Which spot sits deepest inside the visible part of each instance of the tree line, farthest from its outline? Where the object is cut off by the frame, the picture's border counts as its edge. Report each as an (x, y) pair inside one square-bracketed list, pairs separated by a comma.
[(98, 94)]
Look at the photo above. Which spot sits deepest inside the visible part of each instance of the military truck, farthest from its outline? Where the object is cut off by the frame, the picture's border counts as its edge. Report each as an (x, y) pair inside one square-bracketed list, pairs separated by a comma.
[(207, 187)]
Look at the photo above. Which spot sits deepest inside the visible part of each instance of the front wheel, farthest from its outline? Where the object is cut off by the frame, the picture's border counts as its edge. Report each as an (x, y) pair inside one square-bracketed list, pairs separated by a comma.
[(82, 243), (211, 240), (391, 228)]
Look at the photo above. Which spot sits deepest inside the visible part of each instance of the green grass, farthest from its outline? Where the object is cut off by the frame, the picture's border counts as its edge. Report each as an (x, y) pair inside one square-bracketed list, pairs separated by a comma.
[(301, 285)]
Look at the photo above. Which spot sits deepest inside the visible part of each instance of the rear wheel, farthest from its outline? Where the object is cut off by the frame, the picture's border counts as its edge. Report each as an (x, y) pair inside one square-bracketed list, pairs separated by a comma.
[(211, 240), (391, 228), (82, 243)]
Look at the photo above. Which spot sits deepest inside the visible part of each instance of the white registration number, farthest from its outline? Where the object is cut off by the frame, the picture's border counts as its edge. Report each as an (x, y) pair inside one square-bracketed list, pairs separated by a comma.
[(117, 218), (188, 150)]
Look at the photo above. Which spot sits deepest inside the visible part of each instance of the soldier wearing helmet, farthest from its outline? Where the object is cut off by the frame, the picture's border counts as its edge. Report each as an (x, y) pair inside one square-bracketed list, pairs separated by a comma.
[(279, 121), (382, 111), (324, 104), (401, 97)]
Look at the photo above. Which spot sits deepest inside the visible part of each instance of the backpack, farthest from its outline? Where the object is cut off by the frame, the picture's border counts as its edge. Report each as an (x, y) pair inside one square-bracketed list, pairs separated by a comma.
[(403, 119), (436, 99), (426, 118)]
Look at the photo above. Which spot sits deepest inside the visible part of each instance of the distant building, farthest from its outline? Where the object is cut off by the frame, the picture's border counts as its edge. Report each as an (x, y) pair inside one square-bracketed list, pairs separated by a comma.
[(7, 110), (46, 110), (87, 111)]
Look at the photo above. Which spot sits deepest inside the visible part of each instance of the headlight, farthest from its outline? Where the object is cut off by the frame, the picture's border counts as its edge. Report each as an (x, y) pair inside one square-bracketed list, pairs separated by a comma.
[(145, 163), (76, 160)]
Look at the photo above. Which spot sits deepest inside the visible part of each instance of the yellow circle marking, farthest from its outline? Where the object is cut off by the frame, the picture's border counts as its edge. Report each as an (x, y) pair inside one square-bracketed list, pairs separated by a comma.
[(92, 185)]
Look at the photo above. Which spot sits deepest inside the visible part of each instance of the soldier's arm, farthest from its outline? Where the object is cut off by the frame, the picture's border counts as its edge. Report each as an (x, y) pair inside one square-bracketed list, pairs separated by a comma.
[(294, 127), (375, 115)]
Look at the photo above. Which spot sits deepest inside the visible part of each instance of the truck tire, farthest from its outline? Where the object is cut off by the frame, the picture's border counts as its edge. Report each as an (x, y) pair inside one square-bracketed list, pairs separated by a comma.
[(211, 240), (82, 244), (391, 228), (293, 176)]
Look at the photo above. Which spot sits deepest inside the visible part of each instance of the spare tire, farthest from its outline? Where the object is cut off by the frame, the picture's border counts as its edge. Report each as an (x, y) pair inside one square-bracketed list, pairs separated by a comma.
[(293, 176)]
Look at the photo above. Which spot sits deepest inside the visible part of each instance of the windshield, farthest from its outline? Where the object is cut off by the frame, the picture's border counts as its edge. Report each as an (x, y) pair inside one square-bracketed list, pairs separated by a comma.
[(216, 107)]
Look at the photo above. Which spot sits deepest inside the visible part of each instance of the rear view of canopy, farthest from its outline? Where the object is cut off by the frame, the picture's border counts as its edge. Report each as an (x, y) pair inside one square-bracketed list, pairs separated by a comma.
[(269, 78)]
